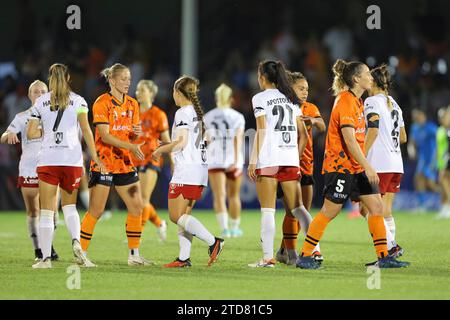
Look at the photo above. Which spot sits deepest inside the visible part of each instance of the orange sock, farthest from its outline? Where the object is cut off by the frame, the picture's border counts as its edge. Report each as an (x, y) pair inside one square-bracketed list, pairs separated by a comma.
[(133, 229), (378, 232), (315, 232), (87, 230), (154, 218), (145, 215), (291, 228)]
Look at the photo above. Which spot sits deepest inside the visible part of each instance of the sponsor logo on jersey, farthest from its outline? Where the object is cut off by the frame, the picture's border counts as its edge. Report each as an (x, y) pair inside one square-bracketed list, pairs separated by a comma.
[(258, 109), (121, 128), (286, 137), (59, 137), (181, 123)]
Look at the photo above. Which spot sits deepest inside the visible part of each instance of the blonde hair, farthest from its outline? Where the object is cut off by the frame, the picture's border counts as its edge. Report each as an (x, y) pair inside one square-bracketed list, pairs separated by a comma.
[(343, 75), (223, 95), (113, 71), (58, 82), (150, 85), (36, 82)]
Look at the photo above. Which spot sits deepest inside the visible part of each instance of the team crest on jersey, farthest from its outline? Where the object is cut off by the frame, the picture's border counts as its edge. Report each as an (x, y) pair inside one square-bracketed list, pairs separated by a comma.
[(59, 136), (286, 137)]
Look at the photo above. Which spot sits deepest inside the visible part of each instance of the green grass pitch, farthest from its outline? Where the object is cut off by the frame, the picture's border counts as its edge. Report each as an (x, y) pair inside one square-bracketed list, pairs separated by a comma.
[(346, 246)]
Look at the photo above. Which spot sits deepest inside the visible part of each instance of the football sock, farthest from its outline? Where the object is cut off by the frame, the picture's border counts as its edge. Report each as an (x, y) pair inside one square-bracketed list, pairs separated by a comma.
[(145, 216), (154, 218), (33, 230), (87, 230), (46, 230), (390, 224), (133, 228), (222, 220), (291, 229), (378, 232), (235, 223), (267, 231), (390, 239), (196, 228), (72, 220), (134, 252), (185, 240), (315, 233)]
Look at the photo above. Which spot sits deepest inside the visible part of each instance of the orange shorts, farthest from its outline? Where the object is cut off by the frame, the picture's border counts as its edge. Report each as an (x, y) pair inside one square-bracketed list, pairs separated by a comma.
[(233, 174), (68, 178), (28, 182), (283, 173), (189, 192)]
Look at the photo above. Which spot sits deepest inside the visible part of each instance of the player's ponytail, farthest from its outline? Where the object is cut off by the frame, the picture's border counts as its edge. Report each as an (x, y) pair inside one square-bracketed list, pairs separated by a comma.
[(223, 95), (58, 81), (382, 79), (189, 87), (275, 72), (343, 75)]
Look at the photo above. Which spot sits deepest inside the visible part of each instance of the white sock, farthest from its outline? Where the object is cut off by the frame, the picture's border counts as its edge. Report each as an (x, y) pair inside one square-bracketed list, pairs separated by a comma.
[(72, 220), (304, 217), (390, 239), (390, 224), (33, 230), (196, 228), (222, 220), (185, 240), (134, 252), (234, 223), (84, 196), (46, 230), (55, 219), (267, 231)]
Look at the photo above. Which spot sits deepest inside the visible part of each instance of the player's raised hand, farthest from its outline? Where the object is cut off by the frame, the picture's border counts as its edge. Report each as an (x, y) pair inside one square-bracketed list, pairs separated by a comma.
[(12, 138)]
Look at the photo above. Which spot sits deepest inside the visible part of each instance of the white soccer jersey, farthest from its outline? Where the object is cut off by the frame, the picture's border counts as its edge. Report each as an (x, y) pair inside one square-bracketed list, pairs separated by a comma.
[(280, 147), (30, 148), (222, 124), (385, 154), (61, 145), (190, 165)]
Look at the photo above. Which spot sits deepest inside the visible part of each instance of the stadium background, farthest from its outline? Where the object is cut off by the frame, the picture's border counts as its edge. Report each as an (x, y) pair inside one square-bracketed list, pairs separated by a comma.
[(232, 37)]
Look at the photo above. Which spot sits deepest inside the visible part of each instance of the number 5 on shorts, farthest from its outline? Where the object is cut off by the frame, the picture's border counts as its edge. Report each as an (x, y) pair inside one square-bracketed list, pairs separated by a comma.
[(340, 185)]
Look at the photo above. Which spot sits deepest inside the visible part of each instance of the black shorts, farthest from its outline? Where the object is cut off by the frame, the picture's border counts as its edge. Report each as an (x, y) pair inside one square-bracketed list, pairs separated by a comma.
[(144, 168), (110, 179), (340, 186), (307, 180)]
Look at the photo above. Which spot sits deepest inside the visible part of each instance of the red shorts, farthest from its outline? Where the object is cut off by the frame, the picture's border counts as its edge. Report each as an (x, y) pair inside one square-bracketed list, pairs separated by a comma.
[(233, 174), (28, 182), (280, 173), (189, 192), (390, 182), (68, 178)]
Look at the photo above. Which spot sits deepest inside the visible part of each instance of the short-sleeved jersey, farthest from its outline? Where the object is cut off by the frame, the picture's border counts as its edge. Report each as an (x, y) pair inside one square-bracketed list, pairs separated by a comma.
[(385, 155), (120, 117), (424, 137), (61, 144), (190, 165), (307, 160), (280, 147), (222, 125), (348, 111), (30, 148), (153, 122)]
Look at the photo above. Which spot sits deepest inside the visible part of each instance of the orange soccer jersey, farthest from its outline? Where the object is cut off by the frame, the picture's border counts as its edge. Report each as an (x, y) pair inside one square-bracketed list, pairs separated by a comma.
[(348, 111), (120, 117), (307, 160), (153, 122)]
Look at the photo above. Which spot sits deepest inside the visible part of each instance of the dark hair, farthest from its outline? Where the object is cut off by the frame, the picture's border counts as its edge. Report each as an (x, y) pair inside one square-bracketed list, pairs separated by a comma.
[(189, 87), (275, 72), (344, 73), (382, 79)]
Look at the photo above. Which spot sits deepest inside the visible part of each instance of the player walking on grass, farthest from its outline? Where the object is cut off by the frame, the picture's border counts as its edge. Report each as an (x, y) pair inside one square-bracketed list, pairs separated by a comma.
[(60, 160), (155, 127), (116, 120), (346, 171), (443, 160), (291, 225), (385, 133), (28, 180), (276, 150), (225, 160), (190, 173)]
